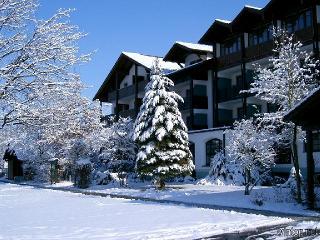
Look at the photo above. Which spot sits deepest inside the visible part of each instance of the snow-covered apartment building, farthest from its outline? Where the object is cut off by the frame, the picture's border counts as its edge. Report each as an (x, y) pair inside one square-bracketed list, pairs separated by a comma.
[(209, 75)]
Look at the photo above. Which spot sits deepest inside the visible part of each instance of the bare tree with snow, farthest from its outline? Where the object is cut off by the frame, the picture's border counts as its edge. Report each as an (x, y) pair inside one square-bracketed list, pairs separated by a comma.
[(290, 76), (42, 112), (160, 133), (34, 55), (250, 146)]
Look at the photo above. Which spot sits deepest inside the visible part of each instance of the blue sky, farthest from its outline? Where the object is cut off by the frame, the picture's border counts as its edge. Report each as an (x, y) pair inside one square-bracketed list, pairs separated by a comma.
[(144, 26)]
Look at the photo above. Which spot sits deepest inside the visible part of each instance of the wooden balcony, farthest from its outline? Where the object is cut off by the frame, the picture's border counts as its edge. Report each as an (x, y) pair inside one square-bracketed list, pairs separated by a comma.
[(229, 60), (225, 117), (127, 113), (305, 36), (227, 94), (112, 96), (127, 91), (142, 85), (199, 102), (259, 51)]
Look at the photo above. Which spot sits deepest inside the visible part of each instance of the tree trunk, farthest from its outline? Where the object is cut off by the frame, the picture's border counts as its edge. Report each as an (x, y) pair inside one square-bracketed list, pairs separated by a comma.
[(161, 184), (296, 164), (247, 182)]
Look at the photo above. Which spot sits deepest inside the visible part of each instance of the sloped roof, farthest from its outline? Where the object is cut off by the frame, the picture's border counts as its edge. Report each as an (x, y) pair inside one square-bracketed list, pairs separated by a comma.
[(180, 50), (196, 46), (125, 62), (222, 29), (305, 113), (147, 61)]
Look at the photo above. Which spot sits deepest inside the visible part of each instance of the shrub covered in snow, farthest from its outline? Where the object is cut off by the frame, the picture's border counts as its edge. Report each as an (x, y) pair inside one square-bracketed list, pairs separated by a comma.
[(83, 170), (160, 132), (291, 183), (118, 152), (251, 147), (106, 177), (223, 172)]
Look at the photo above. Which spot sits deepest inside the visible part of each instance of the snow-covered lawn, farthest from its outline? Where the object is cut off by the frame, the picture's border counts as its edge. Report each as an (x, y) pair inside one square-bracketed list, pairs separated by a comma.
[(276, 200), (30, 213)]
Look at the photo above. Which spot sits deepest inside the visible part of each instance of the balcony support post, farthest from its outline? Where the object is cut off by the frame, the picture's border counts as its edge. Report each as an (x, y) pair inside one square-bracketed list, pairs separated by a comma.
[(315, 30), (191, 111), (117, 96), (310, 169), (215, 109), (136, 90), (244, 77)]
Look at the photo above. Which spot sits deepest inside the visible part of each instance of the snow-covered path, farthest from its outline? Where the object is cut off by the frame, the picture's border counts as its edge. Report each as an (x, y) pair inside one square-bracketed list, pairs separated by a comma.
[(29, 213)]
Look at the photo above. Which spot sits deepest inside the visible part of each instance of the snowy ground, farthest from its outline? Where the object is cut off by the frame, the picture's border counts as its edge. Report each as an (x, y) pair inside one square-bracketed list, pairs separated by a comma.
[(276, 200), (301, 230), (29, 213)]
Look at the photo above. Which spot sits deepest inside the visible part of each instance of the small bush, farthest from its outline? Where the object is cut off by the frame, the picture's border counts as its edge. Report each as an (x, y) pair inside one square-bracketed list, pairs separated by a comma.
[(106, 177), (83, 171), (29, 172), (258, 199)]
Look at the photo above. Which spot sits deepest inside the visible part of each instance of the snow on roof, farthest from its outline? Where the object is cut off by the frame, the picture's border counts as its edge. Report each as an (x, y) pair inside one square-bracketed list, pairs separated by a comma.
[(147, 61), (196, 46), (253, 7), (223, 21), (315, 91)]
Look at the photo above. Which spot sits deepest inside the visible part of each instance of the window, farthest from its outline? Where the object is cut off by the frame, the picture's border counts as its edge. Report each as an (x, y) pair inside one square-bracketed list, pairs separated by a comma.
[(240, 113), (272, 107), (231, 46), (213, 146), (239, 81), (139, 78), (296, 23), (200, 90), (260, 36), (200, 120), (283, 155), (253, 109), (192, 149), (316, 142), (308, 19)]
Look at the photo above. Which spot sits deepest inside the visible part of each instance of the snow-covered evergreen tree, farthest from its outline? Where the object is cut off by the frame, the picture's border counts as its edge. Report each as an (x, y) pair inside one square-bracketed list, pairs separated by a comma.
[(251, 146), (160, 133), (290, 76)]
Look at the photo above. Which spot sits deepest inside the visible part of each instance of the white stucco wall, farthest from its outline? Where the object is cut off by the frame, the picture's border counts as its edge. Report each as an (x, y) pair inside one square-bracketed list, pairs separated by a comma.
[(199, 138), (128, 79)]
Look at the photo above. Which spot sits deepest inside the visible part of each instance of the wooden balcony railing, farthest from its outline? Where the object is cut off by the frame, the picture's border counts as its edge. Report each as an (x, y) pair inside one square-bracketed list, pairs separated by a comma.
[(127, 91), (227, 94), (142, 85), (259, 51), (199, 102), (305, 36), (230, 59), (127, 113)]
